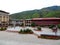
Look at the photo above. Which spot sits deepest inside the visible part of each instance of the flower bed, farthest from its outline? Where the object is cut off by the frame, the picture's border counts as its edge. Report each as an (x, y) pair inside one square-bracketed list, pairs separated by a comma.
[(26, 31), (49, 36)]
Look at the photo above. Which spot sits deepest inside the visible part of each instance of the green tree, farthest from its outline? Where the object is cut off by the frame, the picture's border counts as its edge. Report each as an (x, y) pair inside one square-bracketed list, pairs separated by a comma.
[(35, 15), (58, 26), (53, 14), (22, 24), (33, 24)]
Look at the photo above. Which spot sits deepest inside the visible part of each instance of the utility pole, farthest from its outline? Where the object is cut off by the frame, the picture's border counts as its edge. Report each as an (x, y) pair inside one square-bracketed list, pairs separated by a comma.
[(24, 22), (14, 23)]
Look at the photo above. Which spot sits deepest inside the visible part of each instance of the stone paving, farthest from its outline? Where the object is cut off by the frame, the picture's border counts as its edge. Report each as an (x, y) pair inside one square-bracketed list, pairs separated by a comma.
[(47, 31), (24, 39), (9, 38)]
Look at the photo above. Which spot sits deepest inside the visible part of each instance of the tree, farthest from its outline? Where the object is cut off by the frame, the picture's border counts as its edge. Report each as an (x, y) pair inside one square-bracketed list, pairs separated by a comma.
[(35, 15), (22, 24), (58, 26), (33, 24), (53, 14)]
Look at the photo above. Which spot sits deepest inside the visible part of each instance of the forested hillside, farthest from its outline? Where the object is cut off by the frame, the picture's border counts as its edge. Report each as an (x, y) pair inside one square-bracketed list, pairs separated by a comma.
[(53, 11)]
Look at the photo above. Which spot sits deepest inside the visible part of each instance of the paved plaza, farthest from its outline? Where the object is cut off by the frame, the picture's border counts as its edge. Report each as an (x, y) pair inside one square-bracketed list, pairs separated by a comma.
[(9, 38)]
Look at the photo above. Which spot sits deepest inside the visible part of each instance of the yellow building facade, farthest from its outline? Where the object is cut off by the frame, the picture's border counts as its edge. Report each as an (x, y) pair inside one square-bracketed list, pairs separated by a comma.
[(4, 18)]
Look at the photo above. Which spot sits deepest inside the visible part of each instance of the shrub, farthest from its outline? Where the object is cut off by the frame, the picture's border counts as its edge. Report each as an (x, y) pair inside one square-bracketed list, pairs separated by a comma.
[(29, 31), (33, 24), (39, 28), (3, 28), (51, 26), (25, 31), (58, 26), (20, 31)]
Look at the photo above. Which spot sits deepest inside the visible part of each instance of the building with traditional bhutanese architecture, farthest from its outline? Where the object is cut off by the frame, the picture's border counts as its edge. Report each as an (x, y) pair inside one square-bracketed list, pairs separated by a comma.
[(37, 21), (17, 22), (4, 18), (28, 22), (46, 21)]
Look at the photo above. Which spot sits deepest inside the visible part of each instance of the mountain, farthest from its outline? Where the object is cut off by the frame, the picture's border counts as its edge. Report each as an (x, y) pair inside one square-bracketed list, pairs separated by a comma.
[(26, 14), (53, 11), (52, 8)]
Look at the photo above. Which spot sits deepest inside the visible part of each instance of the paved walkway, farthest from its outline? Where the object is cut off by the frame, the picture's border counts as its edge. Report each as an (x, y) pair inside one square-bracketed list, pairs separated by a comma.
[(9, 38), (46, 31)]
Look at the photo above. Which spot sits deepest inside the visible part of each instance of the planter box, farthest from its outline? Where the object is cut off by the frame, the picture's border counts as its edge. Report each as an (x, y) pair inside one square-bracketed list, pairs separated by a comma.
[(49, 36)]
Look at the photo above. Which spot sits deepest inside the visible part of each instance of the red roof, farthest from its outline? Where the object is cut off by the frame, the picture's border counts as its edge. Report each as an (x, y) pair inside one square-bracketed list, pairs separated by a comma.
[(46, 19)]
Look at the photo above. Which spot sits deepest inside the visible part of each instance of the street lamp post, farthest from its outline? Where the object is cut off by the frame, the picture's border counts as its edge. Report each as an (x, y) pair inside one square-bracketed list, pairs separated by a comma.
[(55, 29)]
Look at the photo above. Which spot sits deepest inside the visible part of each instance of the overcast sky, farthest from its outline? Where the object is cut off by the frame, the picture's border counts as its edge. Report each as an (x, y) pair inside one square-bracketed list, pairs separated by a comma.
[(14, 6)]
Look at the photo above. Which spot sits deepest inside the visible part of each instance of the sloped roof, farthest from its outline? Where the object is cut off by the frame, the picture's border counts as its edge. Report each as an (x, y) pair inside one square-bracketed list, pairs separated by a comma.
[(46, 19), (4, 12)]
